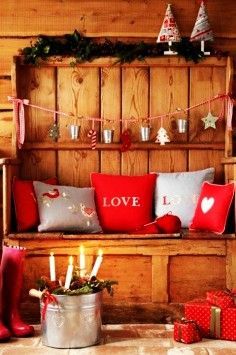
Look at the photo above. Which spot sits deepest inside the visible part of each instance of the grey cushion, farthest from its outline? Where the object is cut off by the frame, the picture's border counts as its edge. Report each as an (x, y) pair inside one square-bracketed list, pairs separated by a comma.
[(66, 208), (178, 193)]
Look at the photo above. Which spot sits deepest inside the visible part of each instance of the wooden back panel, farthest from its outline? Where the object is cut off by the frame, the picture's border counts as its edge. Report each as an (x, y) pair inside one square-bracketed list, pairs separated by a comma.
[(114, 93)]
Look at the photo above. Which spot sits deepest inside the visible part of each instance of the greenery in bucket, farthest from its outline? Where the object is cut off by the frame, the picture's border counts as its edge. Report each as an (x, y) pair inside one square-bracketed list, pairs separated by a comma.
[(79, 285)]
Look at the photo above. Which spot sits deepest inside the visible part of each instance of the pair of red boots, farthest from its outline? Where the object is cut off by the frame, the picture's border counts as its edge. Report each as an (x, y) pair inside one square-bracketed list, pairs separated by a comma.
[(11, 279)]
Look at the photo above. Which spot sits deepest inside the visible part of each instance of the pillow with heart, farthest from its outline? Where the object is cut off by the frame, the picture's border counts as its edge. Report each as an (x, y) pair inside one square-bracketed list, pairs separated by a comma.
[(66, 208), (177, 193), (124, 203), (213, 207)]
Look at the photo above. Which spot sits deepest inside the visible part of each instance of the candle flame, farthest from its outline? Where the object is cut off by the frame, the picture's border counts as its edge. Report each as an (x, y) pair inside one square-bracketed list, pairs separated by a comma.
[(100, 253), (70, 260), (51, 254)]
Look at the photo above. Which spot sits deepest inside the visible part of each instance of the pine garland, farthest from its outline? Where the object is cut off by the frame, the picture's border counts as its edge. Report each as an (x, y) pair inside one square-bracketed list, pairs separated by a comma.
[(87, 49)]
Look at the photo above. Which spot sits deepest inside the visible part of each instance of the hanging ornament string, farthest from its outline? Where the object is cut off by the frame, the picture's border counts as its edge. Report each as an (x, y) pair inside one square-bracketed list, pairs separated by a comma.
[(92, 134), (229, 106), (19, 118)]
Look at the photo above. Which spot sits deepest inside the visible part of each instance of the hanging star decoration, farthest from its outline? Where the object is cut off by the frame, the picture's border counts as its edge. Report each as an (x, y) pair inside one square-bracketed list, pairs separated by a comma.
[(210, 121)]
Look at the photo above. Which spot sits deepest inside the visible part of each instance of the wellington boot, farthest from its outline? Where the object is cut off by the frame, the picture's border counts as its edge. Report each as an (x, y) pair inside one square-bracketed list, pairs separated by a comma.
[(12, 279)]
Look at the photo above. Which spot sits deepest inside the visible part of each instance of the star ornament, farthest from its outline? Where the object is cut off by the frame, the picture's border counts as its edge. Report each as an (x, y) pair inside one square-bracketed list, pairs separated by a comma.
[(210, 121)]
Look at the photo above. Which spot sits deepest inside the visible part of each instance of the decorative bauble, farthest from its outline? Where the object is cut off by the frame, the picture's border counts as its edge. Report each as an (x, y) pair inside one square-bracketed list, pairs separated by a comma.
[(168, 223)]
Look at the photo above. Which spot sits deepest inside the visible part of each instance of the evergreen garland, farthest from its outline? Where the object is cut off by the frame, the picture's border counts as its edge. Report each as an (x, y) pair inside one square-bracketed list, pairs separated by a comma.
[(86, 49)]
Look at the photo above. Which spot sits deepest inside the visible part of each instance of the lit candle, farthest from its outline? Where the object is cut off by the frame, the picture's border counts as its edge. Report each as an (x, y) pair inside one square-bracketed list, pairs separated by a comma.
[(52, 267), (97, 264), (82, 261), (69, 273)]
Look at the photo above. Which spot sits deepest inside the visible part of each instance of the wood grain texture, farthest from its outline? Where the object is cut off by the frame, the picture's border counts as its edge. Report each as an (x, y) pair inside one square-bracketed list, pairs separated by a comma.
[(38, 166), (102, 18), (205, 160), (185, 287), (110, 162), (205, 84), (168, 161), (166, 84), (134, 163), (160, 275), (5, 90), (231, 264)]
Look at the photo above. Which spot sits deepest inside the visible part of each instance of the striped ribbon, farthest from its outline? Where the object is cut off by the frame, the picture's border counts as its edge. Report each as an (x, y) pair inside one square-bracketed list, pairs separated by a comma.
[(92, 134), (19, 118)]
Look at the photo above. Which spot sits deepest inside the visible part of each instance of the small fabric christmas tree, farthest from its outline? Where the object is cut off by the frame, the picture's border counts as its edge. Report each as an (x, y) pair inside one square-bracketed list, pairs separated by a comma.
[(202, 30), (169, 30), (162, 136)]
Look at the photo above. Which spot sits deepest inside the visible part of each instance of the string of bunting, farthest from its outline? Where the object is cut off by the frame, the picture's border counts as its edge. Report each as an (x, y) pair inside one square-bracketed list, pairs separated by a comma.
[(19, 116)]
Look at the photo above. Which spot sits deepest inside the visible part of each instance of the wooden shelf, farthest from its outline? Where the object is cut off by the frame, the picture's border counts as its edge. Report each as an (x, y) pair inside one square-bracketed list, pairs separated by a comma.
[(117, 146)]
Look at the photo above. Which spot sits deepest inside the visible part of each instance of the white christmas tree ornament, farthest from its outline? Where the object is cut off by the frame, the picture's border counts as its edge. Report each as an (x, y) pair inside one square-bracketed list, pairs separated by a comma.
[(202, 30), (169, 30), (162, 136)]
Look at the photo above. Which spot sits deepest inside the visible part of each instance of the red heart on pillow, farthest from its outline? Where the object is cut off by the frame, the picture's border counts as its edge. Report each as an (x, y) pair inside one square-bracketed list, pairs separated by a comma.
[(168, 223), (150, 228)]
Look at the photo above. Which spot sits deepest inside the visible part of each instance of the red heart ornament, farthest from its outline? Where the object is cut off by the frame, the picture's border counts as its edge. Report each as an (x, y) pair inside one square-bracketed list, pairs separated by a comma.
[(168, 223)]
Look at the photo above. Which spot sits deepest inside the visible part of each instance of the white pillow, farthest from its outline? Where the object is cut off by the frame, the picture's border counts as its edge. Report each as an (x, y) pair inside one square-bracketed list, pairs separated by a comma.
[(178, 193), (66, 208)]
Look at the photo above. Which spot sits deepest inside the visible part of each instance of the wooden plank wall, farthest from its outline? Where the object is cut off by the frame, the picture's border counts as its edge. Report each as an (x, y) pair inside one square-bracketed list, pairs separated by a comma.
[(85, 91), (20, 23)]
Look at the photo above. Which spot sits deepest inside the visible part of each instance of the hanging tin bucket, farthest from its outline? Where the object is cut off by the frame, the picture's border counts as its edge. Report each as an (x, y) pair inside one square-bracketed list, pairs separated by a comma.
[(145, 133), (182, 125), (75, 322), (108, 135), (74, 131)]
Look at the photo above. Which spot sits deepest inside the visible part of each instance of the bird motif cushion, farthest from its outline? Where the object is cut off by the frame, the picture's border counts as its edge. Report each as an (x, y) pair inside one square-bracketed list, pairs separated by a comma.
[(66, 208)]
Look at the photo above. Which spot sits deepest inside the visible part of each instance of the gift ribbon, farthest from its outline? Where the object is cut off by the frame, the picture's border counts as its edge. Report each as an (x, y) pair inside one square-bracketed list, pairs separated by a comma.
[(47, 299), (215, 322)]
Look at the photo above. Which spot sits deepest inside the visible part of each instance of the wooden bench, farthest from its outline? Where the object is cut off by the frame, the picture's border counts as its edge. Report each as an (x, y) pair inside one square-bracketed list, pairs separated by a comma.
[(156, 274)]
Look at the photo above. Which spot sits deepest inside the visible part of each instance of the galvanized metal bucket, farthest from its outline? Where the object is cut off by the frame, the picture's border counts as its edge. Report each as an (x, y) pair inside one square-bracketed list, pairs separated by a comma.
[(74, 323)]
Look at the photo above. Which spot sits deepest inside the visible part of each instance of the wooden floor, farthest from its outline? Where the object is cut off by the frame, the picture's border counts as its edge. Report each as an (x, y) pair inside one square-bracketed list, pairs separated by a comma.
[(125, 339)]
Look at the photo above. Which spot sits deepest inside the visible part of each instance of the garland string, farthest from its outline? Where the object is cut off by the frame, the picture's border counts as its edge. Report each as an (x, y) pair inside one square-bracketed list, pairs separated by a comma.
[(19, 115)]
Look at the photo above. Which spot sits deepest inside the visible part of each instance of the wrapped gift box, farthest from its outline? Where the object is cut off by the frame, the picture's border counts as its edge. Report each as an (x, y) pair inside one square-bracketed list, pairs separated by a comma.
[(213, 322), (222, 299), (186, 331)]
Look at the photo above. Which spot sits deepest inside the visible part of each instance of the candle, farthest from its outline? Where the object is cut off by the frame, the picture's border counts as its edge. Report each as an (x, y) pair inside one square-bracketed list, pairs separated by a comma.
[(69, 273), (97, 264), (52, 267), (82, 261)]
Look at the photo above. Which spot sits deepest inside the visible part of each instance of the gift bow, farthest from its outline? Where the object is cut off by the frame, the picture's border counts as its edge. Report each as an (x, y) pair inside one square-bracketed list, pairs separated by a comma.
[(19, 118), (47, 299)]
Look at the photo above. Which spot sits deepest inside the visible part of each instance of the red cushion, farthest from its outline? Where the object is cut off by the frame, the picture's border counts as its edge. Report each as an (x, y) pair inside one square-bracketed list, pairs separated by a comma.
[(124, 203), (26, 208), (213, 207)]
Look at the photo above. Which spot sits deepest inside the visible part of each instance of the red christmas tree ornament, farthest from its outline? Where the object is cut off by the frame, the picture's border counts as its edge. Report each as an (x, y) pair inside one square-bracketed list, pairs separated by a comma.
[(168, 223)]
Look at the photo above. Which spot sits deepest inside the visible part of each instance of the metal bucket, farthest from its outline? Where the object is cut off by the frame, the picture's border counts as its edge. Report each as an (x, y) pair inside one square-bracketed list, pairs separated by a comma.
[(74, 323)]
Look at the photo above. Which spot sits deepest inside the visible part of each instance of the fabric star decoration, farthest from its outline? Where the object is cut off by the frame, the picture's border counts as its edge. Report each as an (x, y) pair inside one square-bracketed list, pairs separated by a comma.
[(210, 121)]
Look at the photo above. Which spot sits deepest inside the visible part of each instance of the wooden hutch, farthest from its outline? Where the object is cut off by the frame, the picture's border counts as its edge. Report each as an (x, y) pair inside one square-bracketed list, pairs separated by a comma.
[(155, 274)]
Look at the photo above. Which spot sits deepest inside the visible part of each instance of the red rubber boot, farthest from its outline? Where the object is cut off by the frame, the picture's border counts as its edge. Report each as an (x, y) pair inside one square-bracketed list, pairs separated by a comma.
[(4, 332), (12, 279)]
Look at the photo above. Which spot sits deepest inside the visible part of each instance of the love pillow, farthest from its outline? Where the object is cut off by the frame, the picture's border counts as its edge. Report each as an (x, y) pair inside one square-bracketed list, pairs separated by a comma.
[(25, 202), (124, 203), (213, 207), (177, 193)]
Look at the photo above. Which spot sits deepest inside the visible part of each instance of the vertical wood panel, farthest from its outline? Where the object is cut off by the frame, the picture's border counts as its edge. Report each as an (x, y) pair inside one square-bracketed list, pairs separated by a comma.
[(134, 163), (160, 278), (135, 103), (110, 162), (168, 91), (231, 264), (205, 83), (205, 159), (36, 165), (74, 167), (78, 92), (39, 86), (111, 99), (168, 161)]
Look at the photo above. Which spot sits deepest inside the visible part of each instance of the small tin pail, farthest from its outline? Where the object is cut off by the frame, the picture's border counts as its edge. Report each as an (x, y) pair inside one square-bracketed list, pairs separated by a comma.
[(75, 322)]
